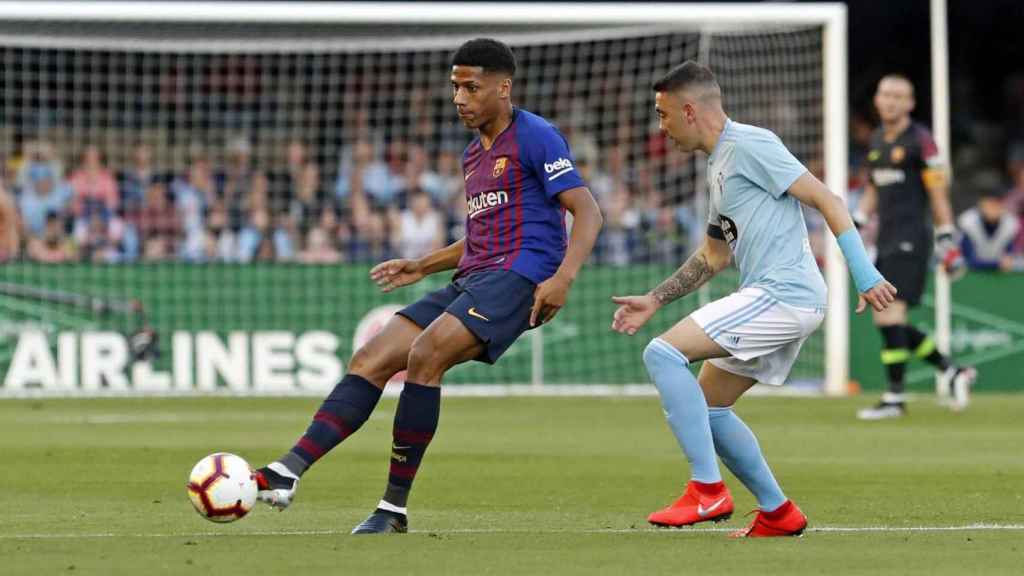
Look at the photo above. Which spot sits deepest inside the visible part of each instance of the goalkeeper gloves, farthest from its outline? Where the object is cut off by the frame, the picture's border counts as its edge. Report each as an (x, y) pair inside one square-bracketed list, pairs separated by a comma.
[(947, 249), (860, 219)]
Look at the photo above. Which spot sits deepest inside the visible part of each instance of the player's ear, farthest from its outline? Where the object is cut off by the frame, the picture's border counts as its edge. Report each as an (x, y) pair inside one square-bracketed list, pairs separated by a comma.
[(505, 88), (689, 112)]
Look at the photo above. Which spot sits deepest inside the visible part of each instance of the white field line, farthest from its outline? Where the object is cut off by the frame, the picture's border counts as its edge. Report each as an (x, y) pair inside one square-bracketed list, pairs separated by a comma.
[(821, 529)]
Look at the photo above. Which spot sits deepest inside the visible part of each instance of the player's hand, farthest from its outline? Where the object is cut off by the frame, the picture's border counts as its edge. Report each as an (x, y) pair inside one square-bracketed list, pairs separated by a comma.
[(880, 296), (548, 299), (947, 249), (396, 273), (633, 312)]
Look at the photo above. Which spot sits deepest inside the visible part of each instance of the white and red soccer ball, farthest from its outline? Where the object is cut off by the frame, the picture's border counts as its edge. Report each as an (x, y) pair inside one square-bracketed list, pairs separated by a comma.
[(222, 487)]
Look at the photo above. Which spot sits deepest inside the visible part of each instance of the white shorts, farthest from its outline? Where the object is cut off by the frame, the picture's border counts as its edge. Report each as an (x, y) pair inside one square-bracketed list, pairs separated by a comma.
[(762, 335)]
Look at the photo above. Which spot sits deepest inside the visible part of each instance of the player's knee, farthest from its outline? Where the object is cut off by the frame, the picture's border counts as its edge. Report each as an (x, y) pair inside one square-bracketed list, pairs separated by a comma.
[(373, 362), (650, 353), (423, 355), (361, 360), (657, 352), (654, 354)]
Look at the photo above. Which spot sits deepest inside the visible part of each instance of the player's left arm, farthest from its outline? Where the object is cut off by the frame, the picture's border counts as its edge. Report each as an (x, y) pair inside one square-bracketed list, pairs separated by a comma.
[(933, 176), (552, 293), (873, 288)]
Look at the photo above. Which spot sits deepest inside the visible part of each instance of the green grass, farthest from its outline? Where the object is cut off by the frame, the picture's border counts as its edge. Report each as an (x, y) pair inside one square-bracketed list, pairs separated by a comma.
[(509, 486)]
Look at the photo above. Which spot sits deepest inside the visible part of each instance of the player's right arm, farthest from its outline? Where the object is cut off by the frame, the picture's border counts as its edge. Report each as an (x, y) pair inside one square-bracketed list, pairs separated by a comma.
[(873, 288), (402, 271), (712, 257)]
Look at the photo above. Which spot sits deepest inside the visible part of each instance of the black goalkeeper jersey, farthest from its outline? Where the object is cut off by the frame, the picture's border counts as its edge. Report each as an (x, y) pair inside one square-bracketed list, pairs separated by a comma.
[(895, 170)]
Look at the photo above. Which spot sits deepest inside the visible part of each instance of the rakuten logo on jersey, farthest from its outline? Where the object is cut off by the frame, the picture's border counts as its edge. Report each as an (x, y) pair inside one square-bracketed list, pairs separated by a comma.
[(887, 176), (483, 202)]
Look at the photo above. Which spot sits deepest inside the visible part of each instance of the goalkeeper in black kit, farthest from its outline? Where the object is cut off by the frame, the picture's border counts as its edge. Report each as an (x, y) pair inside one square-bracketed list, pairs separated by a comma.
[(906, 183)]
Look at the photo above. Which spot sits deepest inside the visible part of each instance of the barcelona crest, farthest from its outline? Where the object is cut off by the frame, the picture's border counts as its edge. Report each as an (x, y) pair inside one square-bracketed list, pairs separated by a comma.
[(499, 166), (898, 154)]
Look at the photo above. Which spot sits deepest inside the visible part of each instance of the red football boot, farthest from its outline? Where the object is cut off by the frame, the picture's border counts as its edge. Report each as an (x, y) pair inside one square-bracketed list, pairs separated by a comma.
[(700, 503), (786, 520)]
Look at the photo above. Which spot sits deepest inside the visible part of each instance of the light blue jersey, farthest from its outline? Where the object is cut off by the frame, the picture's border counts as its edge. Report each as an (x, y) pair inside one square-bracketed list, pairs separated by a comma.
[(749, 172)]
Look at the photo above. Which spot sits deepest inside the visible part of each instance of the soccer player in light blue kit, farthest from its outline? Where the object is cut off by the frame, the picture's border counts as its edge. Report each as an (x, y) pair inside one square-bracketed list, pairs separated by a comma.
[(756, 188)]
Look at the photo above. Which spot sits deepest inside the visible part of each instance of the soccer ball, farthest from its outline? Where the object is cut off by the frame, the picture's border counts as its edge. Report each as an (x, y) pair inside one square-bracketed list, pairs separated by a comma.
[(222, 487)]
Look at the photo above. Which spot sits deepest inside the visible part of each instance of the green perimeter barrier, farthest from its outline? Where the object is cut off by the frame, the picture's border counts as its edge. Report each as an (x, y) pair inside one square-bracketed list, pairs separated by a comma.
[(283, 328), (988, 332), (218, 324)]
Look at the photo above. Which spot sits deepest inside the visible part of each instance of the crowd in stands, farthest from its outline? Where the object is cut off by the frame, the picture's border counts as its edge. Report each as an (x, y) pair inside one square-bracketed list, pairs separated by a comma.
[(401, 199), (394, 200)]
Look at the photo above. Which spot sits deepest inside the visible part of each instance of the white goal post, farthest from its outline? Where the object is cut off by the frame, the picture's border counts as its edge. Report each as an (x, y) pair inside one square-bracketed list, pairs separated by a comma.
[(831, 18)]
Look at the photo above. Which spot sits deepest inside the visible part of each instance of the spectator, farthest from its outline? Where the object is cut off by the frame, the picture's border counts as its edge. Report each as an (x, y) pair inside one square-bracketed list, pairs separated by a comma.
[(193, 195), (600, 183), (96, 243), (92, 182), (261, 242), (258, 197), (420, 227), (136, 179), (304, 206), (15, 159), (618, 238), (328, 220), (36, 152), (372, 244), (285, 184), (53, 246), (449, 170), (382, 183), (252, 236), (10, 244), (988, 233), (222, 236), (235, 184), (285, 238), (265, 251), (319, 248), (419, 175), (666, 241), (456, 217), (357, 165), (158, 224), (42, 192)]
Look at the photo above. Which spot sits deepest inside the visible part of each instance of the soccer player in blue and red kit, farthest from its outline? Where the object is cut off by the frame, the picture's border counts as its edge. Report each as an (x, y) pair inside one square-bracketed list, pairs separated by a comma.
[(514, 270)]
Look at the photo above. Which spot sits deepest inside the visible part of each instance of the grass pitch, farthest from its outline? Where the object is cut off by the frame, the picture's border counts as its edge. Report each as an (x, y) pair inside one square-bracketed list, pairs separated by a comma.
[(509, 486)]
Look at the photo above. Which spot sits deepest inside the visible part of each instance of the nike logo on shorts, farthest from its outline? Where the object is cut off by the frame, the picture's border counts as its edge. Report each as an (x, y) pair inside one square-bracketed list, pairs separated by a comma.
[(472, 312), (703, 512)]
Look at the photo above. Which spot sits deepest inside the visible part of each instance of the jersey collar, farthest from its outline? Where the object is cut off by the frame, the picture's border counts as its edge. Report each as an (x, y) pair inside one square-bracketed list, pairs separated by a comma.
[(515, 116), (718, 144)]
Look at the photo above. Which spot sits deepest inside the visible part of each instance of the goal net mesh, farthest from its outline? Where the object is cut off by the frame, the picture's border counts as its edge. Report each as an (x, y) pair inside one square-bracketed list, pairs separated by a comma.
[(239, 182)]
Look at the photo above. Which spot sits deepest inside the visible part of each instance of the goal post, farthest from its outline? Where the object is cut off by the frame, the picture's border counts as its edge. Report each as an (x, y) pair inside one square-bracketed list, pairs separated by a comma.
[(941, 132), (223, 78)]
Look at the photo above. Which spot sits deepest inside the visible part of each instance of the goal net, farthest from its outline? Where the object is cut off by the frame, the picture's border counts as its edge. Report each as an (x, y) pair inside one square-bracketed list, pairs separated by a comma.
[(236, 181)]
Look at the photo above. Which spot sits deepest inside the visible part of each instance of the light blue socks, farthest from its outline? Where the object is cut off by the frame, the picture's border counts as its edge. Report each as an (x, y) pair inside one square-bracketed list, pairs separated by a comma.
[(685, 408), (741, 453)]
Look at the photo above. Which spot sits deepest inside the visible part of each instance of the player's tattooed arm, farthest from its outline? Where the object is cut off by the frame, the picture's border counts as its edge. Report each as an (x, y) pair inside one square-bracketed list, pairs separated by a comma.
[(634, 311), (690, 276)]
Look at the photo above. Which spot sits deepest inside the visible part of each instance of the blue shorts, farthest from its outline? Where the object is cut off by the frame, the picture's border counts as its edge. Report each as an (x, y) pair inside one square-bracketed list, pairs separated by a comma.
[(494, 305)]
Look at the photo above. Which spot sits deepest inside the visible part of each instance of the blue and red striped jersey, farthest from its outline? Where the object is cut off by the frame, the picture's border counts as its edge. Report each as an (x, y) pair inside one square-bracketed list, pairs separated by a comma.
[(514, 220)]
